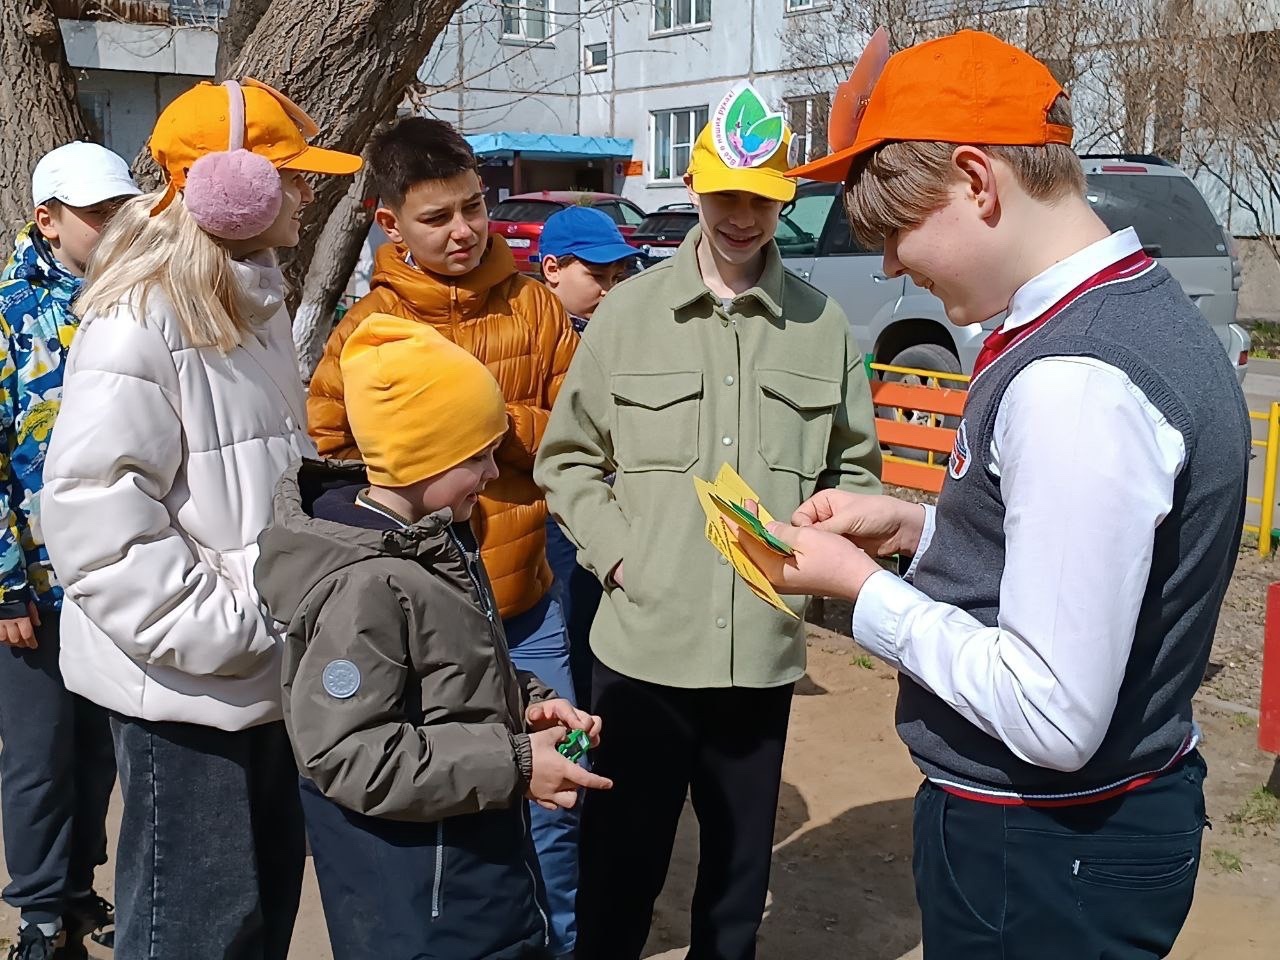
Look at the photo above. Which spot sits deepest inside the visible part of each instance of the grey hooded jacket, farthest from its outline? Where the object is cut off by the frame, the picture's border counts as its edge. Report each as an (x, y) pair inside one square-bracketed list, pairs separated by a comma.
[(400, 697)]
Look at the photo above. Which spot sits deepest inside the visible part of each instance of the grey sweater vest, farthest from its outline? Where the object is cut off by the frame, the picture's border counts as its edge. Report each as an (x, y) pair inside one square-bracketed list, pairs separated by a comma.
[(1147, 328)]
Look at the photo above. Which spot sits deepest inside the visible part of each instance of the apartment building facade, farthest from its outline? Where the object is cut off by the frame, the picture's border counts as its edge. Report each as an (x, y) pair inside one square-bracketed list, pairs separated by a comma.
[(617, 89)]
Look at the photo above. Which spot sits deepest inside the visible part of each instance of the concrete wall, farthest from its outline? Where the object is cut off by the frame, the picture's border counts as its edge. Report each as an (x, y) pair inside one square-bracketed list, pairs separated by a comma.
[(127, 73), (1260, 292), (127, 103)]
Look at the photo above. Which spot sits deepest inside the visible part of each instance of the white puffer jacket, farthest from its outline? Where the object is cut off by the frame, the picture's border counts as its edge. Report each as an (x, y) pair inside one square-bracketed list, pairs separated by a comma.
[(158, 480)]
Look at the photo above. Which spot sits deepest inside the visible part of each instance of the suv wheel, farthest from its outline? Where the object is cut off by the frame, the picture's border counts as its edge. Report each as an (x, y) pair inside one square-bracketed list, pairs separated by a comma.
[(922, 356)]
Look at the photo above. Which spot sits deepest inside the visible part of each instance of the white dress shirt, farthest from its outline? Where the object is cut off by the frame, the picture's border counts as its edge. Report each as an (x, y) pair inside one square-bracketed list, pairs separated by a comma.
[(1086, 466)]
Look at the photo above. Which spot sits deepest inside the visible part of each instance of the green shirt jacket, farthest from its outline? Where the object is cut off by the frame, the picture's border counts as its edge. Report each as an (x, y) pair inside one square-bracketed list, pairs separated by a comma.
[(669, 383)]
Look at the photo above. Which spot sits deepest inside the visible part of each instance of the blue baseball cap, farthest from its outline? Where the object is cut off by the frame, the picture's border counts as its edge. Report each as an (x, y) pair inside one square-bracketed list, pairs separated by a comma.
[(586, 234)]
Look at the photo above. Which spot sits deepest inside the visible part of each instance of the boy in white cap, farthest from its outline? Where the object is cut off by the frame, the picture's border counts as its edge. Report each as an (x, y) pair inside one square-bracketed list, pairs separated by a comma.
[(57, 765)]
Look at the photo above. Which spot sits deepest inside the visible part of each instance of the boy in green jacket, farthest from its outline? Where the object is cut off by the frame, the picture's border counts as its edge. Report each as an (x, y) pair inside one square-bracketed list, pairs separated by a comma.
[(718, 355)]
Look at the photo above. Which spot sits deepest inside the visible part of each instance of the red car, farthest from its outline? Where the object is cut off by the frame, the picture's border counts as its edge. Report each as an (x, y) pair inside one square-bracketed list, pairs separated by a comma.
[(519, 219)]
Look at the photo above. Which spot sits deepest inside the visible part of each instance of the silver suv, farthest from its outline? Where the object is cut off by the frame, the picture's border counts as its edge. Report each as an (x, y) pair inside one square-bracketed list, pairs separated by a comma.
[(906, 326)]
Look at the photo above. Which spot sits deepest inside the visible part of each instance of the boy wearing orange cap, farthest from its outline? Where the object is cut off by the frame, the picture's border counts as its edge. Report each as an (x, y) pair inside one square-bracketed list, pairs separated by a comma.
[(415, 735), (717, 356), (1067, 585)]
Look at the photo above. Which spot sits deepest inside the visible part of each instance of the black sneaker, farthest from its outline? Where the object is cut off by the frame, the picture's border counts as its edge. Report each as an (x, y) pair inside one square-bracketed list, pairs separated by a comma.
[(34, 945), (92, 917)]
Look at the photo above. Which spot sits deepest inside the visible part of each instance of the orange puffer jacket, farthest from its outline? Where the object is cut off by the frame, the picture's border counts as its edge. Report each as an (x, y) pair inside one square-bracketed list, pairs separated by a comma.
[(519, 330)]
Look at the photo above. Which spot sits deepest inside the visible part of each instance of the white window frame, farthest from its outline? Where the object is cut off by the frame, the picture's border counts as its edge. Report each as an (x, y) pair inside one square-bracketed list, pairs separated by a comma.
[(657, 119), (588, 50), (814, 125), (524, 13), (672, 16), (796, 6)]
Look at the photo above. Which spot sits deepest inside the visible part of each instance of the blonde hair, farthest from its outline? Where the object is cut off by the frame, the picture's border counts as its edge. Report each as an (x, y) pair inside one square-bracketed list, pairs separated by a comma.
[(138, 254), (899, 184)]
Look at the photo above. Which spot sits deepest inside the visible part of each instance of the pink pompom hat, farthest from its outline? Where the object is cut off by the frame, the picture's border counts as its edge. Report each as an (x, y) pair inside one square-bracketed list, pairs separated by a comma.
[(235, 137)]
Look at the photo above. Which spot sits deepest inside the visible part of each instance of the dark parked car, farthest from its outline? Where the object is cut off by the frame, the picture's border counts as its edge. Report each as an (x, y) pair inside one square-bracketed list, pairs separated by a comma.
[(519, 219), (662, 231)]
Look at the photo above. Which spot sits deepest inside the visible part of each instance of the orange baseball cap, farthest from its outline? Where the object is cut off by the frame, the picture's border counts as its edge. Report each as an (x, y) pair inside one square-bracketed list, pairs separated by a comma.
[(198, 122), (969, 87)]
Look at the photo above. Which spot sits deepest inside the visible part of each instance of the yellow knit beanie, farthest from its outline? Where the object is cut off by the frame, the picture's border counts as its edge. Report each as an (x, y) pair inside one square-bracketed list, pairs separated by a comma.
[(417, 403)]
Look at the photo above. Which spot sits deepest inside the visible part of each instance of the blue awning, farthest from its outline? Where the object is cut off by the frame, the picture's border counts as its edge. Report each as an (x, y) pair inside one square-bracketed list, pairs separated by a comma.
[(549, 146)]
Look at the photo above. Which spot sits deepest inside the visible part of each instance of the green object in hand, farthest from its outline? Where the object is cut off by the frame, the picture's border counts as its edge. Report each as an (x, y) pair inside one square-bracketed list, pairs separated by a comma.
[(751, 523), (575, 746)]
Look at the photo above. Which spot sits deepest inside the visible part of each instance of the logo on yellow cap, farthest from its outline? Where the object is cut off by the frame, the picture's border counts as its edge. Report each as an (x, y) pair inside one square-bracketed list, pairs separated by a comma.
[(746, 133)]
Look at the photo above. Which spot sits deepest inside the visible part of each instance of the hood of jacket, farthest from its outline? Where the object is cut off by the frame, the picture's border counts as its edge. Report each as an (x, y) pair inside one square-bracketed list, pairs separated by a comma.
[(433, 298), (299, 549), (262, 286)]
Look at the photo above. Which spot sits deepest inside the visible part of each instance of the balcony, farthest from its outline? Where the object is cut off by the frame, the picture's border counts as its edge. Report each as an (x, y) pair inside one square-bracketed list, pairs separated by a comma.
[(162, 13), (179, 37)]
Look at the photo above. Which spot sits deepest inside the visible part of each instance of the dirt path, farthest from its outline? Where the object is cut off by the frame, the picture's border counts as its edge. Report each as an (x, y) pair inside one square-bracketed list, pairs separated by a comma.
[(842, 872), (842, 867)]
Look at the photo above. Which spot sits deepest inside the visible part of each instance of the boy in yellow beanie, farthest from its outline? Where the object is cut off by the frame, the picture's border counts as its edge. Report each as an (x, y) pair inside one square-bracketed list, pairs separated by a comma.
[(416, 737)]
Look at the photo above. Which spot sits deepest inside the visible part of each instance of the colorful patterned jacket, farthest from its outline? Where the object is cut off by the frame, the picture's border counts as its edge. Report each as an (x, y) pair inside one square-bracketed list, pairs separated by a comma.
[(36, 329)]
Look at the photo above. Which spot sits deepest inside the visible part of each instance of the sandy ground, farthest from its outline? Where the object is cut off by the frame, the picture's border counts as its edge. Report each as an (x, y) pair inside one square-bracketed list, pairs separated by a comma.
[(842, 864)]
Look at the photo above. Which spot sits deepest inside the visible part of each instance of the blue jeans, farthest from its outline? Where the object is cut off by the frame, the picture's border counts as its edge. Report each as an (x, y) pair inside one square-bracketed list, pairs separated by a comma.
[(539, 644), (211, 852)]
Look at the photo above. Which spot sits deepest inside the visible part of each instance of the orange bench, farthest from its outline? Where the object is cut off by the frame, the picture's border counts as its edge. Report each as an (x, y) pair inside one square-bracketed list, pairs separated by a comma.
[(941, 401)]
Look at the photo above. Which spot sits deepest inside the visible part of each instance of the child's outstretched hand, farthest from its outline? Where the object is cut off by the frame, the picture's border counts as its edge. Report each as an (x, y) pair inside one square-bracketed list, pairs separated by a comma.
[(555, 779), (560, 712)]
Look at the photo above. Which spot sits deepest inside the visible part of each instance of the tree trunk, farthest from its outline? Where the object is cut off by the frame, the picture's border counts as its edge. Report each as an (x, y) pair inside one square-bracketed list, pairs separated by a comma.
[(336, 253), (347, 65), (38, 106), (237, 26), (1171, 79)]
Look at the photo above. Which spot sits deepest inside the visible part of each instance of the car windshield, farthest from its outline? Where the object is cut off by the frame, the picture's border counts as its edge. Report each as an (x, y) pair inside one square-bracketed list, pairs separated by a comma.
[(524, 211), (1169, 214), (671, 225), (801, 222)]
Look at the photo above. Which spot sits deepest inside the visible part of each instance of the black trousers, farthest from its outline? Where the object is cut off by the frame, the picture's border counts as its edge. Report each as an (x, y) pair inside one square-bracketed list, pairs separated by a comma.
[(724, 748), (57, 768), (465, 887), (1104, 881)]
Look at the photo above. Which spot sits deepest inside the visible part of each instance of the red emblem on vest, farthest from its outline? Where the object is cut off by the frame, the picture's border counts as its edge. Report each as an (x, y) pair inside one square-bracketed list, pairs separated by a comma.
[(958, 464)]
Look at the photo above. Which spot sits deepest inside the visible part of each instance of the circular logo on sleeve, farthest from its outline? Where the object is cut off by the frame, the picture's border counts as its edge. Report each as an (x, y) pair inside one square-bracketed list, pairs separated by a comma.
[(341, 679)]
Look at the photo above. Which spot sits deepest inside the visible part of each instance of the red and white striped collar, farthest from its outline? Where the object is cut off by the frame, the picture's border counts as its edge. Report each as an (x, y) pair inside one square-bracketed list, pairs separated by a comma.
[(1042, 291)]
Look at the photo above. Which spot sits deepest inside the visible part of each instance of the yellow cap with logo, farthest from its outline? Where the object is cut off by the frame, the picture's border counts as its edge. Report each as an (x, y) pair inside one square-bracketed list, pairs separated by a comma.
[(744, 147)]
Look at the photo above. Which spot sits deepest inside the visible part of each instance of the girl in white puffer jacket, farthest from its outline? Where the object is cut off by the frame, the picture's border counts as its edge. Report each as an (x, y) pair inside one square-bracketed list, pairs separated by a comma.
[(182, 407)]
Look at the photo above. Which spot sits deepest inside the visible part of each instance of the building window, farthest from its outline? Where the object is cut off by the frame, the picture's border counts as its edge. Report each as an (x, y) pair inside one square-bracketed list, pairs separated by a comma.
[(526, 19), (793, 5), (673, 134), (674, 14), (595, 57), (808, 119)]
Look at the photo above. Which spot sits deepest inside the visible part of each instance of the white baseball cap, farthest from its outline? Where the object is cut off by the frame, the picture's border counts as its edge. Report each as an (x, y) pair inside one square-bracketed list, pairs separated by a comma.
[(81, 174)]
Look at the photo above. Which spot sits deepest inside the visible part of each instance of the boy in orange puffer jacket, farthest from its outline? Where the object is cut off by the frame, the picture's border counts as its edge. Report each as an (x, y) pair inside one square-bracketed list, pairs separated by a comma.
[(443, 269)]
